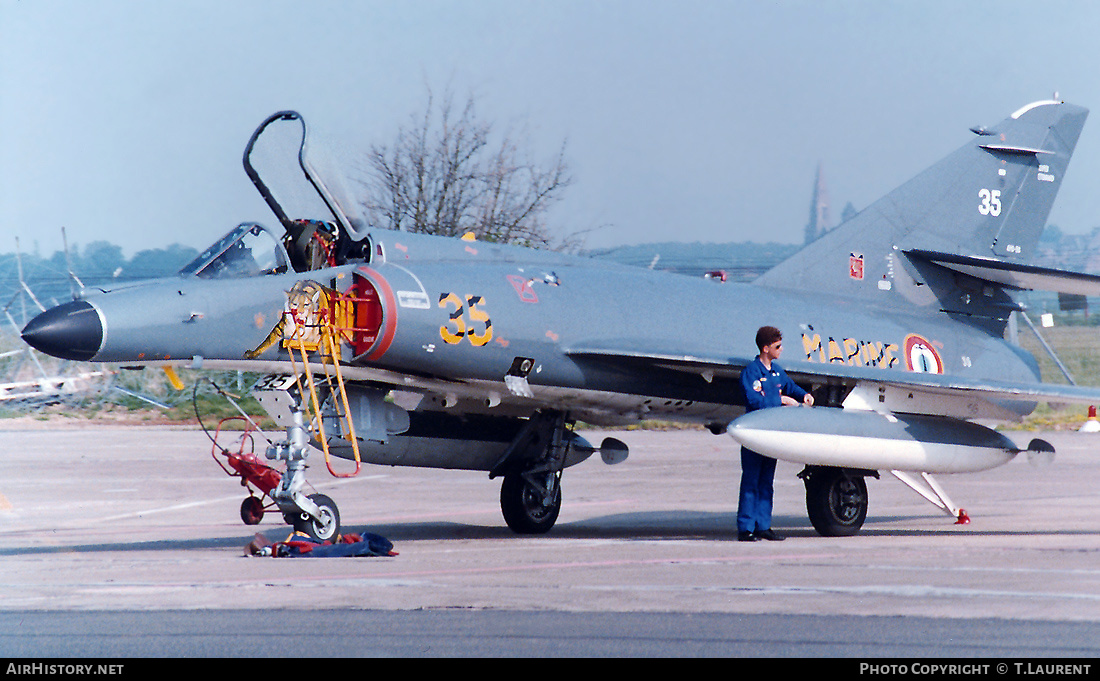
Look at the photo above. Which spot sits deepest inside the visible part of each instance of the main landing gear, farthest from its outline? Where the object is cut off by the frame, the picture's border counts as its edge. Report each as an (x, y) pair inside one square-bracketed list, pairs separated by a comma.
[(531, 501), (836, 499), (530, 495)]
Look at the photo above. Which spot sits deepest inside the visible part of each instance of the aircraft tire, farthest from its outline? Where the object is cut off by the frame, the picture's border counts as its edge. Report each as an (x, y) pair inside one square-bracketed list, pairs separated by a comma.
[(836, 502), (523, 507), (328, 528)]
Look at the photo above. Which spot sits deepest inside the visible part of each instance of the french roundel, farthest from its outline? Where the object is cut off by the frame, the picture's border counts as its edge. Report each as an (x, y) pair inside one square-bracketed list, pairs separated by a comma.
[(921, 357)]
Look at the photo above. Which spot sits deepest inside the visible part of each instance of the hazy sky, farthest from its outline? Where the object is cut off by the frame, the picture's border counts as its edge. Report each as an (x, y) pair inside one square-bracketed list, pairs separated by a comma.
[(694, 120)]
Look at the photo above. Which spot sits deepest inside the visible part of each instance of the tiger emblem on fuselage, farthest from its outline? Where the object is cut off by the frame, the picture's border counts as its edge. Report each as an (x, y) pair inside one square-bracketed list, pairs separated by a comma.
[(310, 307)]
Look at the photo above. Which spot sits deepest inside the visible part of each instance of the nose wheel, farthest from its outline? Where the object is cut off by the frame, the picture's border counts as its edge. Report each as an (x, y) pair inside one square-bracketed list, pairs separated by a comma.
[(324, 527)]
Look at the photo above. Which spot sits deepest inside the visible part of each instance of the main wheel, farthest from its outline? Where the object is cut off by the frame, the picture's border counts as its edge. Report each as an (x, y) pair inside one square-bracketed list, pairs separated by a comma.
[(526, 509), (325, 529), (836, 502)]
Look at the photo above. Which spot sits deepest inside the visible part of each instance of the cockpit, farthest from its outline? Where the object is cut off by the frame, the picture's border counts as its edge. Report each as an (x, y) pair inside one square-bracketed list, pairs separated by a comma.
[(303, 186)]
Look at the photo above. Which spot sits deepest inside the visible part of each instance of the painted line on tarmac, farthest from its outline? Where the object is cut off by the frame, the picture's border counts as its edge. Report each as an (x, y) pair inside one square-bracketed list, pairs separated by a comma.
[(487, 510), (528, 567), (217, 500), (907, 591)]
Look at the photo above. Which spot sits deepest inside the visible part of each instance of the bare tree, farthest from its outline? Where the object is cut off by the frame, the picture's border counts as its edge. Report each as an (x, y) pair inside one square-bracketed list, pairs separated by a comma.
[(445, 174)]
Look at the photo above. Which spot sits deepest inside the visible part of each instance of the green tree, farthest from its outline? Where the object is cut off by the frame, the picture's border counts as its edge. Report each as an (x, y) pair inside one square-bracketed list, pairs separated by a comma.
[(101, 259), (156, 262)]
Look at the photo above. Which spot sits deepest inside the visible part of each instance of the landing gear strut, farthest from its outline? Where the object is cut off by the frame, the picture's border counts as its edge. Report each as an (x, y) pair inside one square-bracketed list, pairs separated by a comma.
[(315, 515)]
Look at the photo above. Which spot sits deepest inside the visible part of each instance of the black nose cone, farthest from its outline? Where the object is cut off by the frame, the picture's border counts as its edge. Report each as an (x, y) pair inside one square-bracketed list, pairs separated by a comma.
[(68, 331)]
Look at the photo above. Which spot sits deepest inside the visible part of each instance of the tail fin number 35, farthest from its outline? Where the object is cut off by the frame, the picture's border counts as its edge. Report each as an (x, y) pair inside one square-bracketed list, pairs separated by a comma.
[(990, 202)]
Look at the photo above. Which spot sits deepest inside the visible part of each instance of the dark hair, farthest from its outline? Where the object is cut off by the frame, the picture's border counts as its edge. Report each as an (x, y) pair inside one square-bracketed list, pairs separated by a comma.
[(767, 335)]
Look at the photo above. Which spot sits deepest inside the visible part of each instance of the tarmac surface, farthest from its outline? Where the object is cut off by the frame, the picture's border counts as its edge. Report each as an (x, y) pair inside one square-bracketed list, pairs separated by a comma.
[(132, 522)]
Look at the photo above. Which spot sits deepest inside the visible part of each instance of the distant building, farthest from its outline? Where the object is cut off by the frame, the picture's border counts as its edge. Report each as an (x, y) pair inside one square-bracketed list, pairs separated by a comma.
[(1077, 252)]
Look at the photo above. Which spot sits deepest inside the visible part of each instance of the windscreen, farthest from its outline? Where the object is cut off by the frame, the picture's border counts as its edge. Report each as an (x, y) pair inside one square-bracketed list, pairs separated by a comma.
[(248, 250)]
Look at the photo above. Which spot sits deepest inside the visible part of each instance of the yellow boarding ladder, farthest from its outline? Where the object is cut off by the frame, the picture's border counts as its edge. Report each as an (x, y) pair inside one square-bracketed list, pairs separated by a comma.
[(320, 335)]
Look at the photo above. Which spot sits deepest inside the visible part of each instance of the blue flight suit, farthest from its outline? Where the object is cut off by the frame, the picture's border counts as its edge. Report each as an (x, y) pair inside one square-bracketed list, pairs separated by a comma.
[(763, 388)]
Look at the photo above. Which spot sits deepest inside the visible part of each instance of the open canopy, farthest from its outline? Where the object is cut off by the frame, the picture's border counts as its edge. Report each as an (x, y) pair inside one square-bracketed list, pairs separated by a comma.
[(298, 179)]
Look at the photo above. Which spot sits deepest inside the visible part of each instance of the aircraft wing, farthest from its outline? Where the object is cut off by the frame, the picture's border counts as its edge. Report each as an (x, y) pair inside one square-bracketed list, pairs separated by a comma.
[(894, 390)]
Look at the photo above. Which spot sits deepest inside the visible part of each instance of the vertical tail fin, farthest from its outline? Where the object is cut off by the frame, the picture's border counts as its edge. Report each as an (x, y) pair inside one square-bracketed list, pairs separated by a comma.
[(989, 199)]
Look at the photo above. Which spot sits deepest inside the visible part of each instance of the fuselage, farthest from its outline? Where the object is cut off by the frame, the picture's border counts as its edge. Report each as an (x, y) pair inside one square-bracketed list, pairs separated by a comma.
[(454, 318)]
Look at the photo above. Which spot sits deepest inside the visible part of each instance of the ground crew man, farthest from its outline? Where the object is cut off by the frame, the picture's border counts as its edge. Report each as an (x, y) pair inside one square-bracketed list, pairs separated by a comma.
[(765, 385)]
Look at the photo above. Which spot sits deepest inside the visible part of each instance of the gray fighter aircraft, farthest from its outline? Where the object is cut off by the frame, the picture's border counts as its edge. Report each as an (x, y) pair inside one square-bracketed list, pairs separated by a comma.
[(395, 348)]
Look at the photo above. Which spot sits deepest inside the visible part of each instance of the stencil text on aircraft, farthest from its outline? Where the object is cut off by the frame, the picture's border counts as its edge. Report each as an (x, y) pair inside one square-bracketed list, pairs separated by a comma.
[(849, 351)]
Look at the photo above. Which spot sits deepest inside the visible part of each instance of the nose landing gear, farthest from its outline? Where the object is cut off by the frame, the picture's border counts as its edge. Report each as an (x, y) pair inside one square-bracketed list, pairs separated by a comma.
[(315, 515)]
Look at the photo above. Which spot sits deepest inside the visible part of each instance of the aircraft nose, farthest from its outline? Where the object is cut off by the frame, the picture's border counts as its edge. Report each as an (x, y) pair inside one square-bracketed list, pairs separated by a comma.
[(69, 331)]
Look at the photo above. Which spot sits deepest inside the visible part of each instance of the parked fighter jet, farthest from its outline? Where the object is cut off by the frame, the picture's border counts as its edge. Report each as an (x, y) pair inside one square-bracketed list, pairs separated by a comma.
[(403, 349)]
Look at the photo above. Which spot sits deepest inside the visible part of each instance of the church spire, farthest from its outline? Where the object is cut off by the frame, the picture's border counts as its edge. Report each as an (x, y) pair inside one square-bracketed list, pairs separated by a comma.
[(819, 209)]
